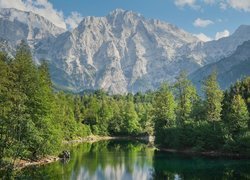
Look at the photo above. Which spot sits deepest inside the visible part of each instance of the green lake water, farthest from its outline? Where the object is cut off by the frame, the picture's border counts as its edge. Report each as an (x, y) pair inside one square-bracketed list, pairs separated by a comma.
[(127, 160)]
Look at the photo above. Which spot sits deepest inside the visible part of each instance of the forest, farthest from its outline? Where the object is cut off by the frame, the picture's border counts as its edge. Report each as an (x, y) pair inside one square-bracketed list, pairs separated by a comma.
[(35, 118)]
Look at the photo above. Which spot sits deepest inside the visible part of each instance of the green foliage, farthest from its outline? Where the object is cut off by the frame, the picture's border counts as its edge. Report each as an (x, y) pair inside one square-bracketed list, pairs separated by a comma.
[(130, 119), (186, 96), (116, 115), (198, 124), (238, 116), (26, 118), (163, 111), (241, 88), (34, 120), (30, 113), (214, 97)]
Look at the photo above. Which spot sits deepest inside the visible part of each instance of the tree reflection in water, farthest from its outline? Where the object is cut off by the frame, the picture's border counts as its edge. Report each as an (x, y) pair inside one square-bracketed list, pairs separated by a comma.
[(136, 160)]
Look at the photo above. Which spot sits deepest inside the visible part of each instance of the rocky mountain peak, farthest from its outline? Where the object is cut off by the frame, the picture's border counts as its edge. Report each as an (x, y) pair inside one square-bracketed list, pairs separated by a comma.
[(242, 29), (118, 53), (121, 52), (122, 13), (117, 11), (242, 32), (16, 25)]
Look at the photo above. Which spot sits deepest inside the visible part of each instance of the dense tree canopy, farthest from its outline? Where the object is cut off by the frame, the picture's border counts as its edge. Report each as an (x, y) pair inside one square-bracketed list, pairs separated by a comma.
[(35, 119)]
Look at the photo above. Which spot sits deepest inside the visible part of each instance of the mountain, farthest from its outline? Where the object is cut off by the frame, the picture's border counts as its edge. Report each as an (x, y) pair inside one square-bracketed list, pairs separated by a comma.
[(209, 52), (121, 52), (229, 69), (17, 25), (5, 46)]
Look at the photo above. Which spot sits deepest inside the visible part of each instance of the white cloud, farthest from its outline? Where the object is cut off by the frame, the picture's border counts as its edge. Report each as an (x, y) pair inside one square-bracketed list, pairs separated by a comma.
[(182, 3), (43, 8), (73, 20), (12, 4), (222, 34), (202, 22), (203, 37), (240, 4), (243, 5)]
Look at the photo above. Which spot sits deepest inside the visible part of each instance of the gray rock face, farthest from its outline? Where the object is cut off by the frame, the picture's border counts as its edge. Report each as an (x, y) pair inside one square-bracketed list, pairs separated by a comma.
[(121, 52), (209, 52), (16, 25), (6, 47), (229, 69)]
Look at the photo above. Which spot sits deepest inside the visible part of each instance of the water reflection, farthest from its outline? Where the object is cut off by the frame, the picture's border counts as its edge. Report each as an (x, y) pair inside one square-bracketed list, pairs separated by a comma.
[(107, 160), (102, 160), (180, 166), (134, 160)]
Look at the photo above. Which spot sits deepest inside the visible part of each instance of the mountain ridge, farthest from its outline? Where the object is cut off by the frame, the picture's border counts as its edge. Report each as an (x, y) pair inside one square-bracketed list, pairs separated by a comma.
[(125, 44), (229, 69), (120, 52)]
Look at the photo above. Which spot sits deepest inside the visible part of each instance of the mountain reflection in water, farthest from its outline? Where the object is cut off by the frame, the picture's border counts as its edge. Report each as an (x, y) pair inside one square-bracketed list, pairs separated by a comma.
[(125, 160)]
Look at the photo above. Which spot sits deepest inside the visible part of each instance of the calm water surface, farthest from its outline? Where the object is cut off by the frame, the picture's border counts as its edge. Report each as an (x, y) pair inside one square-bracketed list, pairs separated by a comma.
[(127, 160)]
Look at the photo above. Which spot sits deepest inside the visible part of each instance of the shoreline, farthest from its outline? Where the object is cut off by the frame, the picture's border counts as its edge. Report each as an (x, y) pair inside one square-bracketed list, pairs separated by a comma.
[(92, 139), (206, 153), (21, 164)]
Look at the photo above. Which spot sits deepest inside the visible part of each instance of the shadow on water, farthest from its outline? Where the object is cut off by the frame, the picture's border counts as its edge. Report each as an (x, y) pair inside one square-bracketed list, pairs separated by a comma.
[(182, 166), (135, 160)]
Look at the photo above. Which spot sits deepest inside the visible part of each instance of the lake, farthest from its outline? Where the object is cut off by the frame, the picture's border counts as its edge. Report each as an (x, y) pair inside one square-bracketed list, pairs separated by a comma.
[(127, 160)]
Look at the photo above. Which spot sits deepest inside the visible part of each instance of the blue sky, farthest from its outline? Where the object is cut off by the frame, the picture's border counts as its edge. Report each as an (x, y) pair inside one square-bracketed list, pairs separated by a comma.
[(195, 16)]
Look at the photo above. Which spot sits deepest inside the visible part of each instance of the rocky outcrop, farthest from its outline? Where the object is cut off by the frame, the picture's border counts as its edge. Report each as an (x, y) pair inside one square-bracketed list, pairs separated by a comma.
[(121, 52)]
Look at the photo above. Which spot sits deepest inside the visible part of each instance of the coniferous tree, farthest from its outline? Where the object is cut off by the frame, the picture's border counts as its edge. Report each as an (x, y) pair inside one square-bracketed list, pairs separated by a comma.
[(105, 114), (5, 106), (78, 109), (237, 117), (50, 135), (34, 120), (116, 122), (164, 107), (239, 88), (185, 97), (92, 117), (24, 108), (130, 119), (213, 101)]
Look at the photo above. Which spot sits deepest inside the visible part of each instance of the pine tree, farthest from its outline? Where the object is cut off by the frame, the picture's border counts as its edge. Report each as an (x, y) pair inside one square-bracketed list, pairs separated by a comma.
[(164, 107), (130, 119), (50, 137), (5, 106), (213, 101), (105, 114), (239, 88), (23, 92), (238, 116), (185, 96), (78, 109), (92, 118)]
